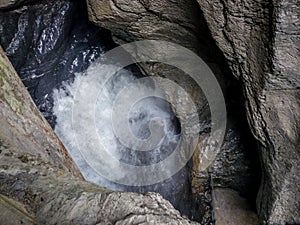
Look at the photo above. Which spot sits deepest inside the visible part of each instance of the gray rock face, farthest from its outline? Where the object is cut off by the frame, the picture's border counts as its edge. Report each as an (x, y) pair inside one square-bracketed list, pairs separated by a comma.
[(164, 20), (181, 22), (13, 213), (23, 129), (45, 185), (6, 4), (261, 43)]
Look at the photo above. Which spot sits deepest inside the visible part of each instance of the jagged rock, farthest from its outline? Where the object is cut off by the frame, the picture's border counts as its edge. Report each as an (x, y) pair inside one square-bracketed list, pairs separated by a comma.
[(261, 43), (7, 4), (36, 171), (181, 22)]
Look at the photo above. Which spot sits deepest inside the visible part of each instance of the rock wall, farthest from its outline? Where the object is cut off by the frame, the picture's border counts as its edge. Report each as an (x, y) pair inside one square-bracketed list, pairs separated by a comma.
[(24, 130), (40, 183), (261, 40), (9, 4), (182, 22)]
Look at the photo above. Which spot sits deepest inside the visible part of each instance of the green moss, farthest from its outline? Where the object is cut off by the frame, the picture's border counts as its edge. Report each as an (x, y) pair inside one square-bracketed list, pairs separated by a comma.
[(7, 92)]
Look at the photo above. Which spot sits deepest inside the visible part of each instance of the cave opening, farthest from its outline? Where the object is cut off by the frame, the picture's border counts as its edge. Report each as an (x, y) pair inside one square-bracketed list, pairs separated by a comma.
[(60, 44)]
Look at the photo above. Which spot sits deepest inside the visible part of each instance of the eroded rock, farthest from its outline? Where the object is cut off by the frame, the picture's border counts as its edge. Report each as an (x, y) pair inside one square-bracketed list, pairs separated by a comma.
[(261, 43), (13, 213), (180, 22), (263, 56), (8, 4)]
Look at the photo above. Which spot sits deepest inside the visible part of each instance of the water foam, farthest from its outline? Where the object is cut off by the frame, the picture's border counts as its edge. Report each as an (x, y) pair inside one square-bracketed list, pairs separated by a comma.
[(139, 118)]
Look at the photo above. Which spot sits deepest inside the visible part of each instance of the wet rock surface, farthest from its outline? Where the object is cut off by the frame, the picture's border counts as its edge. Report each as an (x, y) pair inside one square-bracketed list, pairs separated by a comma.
[(261, 43), (231, 208), (57, 40)]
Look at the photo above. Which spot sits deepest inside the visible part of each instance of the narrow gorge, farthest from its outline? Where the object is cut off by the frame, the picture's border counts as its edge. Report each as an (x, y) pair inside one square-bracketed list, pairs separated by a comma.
[(56, 54)]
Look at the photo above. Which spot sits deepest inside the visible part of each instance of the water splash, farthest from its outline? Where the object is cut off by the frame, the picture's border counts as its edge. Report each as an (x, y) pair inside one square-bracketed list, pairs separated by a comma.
[(139, 118)]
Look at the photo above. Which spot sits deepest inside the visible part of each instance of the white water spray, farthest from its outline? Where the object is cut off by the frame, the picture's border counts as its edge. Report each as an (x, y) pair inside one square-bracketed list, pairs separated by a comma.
[(141, 115)]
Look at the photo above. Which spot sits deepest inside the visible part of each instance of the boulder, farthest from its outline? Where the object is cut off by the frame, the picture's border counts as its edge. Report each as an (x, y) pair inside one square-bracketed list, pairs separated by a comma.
[(232, 209)]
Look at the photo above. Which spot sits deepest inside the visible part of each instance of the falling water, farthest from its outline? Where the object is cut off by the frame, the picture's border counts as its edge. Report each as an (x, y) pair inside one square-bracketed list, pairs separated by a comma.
[(142, 113)]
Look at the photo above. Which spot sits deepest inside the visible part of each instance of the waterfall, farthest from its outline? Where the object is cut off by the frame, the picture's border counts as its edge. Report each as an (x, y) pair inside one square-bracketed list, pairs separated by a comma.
[(142, 113)]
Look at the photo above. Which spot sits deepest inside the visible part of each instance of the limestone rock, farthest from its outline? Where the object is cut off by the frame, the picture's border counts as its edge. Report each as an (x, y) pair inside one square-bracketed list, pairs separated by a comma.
[(261, 43), (5, 4), (23, 128), (180, 22), (133, 20)]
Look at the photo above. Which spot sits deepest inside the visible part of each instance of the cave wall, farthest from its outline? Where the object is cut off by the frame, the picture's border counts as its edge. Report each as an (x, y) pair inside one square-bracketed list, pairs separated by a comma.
[(260, 41), (183, 23)]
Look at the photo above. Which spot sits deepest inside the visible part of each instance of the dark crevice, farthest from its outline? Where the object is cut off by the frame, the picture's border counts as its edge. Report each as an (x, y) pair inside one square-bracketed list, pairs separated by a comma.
[(246, 182)]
